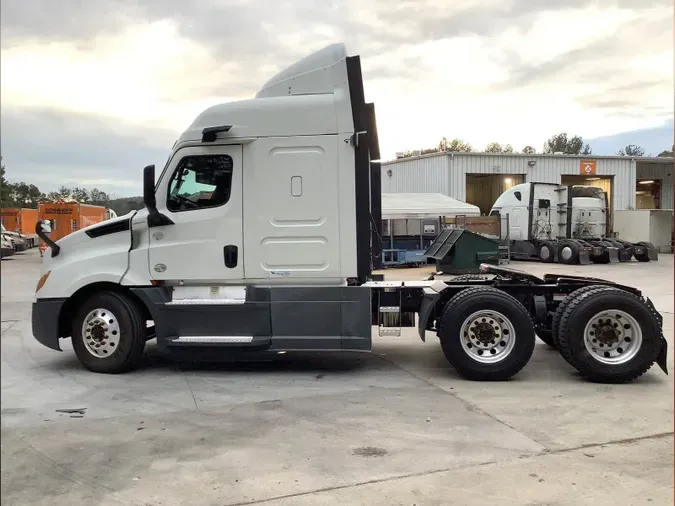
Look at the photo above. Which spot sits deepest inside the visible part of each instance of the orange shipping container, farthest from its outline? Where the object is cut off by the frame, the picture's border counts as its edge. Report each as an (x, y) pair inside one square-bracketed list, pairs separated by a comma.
[(19, 220), (67, 217)]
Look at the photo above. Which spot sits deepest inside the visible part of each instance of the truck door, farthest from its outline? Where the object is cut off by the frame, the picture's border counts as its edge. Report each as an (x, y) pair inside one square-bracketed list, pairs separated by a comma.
[(203, 197)]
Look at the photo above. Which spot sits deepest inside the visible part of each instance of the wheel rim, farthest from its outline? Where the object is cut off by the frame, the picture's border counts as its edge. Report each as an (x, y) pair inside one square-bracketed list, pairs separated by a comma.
[(487, 336), (101, 332), (566, 253), (612, 337), (545, 253)]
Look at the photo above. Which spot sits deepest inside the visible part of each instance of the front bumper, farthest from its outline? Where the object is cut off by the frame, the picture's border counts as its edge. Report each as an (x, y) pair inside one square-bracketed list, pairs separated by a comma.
[(45, 321), (7, 252)]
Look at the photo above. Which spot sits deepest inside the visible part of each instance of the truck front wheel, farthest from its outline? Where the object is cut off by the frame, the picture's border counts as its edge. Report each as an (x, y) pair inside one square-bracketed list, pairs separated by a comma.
[(486, 334), (109, 333)]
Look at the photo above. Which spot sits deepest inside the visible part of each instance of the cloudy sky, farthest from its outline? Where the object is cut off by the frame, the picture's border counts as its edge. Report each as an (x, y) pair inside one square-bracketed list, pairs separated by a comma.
[(93, 91)]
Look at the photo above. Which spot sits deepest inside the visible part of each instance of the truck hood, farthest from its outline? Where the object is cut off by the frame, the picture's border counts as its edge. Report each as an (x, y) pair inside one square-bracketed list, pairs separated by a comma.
[(112, 230)]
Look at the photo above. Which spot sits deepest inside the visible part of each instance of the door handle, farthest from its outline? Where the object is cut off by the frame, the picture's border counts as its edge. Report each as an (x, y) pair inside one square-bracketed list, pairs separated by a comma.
[(230, 254)]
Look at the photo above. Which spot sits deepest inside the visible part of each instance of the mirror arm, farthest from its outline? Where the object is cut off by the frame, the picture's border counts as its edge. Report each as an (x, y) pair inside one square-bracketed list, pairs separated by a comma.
[(155, 218), (56, 249)]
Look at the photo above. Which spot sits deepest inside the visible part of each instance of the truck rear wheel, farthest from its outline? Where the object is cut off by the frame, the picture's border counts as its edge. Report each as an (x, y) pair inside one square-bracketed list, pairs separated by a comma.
[(545, 335), (555, 323), (643, 257), (546, 252), (109, 333), (609, 335), (568, 253), (486, 334)]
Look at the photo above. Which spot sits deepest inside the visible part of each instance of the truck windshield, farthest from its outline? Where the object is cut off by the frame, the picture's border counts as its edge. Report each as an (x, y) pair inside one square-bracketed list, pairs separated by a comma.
[(587, 191)]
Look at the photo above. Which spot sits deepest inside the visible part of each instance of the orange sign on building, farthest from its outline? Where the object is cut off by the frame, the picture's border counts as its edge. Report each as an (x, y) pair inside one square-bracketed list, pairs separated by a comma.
[(587, 167)]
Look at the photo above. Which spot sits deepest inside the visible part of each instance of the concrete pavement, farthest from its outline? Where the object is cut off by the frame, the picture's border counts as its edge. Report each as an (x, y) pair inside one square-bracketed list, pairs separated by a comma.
[(395, 427)]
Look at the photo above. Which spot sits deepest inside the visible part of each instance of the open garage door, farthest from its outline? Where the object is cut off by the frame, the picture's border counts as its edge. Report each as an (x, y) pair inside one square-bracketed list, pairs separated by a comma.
[(605, 183), (483, 189), (648, 193)]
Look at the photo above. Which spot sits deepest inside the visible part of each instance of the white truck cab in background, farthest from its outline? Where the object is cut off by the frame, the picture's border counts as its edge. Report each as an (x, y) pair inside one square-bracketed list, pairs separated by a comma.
[(568, 224)]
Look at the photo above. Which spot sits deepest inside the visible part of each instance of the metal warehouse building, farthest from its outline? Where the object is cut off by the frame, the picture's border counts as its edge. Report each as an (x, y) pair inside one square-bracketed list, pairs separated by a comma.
[(479, 178)]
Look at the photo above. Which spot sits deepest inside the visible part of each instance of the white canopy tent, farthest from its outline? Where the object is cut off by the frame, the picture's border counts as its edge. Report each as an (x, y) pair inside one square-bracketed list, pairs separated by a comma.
[(417, 215), (424, 206)]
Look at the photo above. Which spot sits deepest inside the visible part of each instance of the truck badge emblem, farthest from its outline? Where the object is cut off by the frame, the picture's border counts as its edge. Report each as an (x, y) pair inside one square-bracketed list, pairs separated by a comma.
[(160, 267)]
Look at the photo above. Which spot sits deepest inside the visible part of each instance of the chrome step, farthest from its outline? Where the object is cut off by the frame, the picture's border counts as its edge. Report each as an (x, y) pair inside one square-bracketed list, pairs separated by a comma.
[(212, 340)]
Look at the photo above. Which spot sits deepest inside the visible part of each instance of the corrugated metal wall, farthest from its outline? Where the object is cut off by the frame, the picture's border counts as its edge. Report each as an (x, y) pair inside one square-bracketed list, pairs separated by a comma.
[(447, 174), (662, 172), (428, 174)]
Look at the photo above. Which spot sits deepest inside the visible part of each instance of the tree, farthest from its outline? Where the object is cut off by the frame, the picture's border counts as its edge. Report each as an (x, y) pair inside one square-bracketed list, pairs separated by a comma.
[(560, 143), (494, 147), (80, 195), (631, 150), (458, 146), (26, 195), (5, 188), (99, 198), (508, 148), (529, 150), (668, 153)]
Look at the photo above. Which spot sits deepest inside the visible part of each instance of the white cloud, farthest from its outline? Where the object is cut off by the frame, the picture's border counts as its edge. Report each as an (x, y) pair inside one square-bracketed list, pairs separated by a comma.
[(594, 70), (148, 74)]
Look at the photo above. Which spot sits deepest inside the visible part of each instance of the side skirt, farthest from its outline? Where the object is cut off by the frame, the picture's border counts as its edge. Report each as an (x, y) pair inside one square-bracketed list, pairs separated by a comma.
[(268, 319)]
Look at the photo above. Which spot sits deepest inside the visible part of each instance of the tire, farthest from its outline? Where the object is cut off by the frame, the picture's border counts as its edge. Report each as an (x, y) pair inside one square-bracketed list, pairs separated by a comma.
[(516, 334), (112, 314), (546, 252), (625, 318), (644, 257), (568, 253), (555, 324), (545, 335)]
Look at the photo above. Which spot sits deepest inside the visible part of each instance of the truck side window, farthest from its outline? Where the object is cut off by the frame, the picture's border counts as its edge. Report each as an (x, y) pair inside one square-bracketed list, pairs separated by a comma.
[(518, 195), (199, 182)]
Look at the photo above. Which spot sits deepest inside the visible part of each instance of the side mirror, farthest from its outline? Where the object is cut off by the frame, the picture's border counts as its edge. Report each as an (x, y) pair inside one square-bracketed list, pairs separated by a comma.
[(45, 226), (42, 228), (149, 187), (155, 218)]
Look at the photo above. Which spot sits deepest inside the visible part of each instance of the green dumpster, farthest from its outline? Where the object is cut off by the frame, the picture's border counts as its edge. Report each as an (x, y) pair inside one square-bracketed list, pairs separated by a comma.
[(459, 251)]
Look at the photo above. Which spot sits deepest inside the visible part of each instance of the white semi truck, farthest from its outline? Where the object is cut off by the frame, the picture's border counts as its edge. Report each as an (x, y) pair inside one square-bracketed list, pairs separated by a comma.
[(257, 239), (566, 224)]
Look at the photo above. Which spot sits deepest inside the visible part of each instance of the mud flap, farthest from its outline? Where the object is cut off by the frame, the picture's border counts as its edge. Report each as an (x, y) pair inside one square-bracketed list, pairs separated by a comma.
[(426, 309), (584, 255), (613, 255), (652, 254), (662, 359)]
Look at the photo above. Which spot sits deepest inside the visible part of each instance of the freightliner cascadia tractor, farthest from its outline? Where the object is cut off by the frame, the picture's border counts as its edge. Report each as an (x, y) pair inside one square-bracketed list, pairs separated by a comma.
[(257, 239)]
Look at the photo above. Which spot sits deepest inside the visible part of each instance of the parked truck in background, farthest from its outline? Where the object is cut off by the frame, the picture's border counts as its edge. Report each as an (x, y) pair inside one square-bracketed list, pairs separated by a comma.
[(566, 224), (21, 221), (258, 237)]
